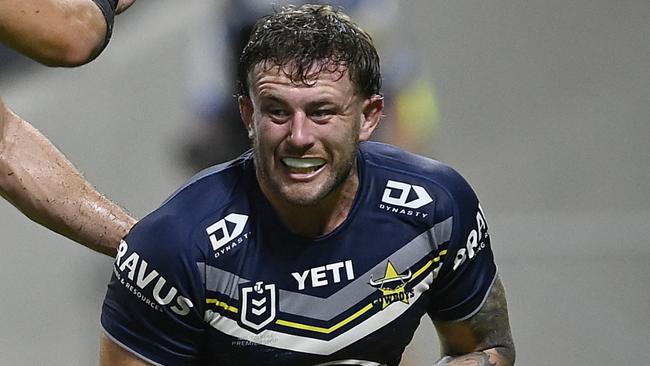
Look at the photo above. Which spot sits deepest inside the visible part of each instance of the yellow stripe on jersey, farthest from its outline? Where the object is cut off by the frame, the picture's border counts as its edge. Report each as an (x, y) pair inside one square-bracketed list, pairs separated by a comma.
[(428, 264), (321, 329), (342, 323), (222, 304)]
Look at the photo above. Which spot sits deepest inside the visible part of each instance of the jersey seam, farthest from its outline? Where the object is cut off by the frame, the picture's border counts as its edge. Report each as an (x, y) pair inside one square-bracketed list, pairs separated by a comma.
[(127, 348), (198, 177), (410, 174), (480, 305)]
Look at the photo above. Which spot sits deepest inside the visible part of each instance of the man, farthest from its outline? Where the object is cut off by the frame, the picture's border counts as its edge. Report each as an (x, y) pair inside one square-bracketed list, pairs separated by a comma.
[(35, 176), (215, 128), (316, 247)]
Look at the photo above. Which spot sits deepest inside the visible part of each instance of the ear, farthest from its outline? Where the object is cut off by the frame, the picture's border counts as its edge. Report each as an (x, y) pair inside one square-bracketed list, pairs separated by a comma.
[(246, 112), (373, 109)]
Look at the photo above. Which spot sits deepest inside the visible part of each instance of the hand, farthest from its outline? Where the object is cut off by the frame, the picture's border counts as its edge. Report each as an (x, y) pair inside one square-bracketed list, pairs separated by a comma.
[(3, 115), (444, 361), (122, 5)]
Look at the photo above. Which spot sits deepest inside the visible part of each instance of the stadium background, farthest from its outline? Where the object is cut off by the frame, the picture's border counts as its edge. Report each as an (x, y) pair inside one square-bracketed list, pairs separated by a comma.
[(544, 107)]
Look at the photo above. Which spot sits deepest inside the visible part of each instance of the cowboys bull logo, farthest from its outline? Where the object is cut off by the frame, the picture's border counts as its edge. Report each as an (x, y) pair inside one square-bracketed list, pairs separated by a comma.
[(392, 287), (258, 305)]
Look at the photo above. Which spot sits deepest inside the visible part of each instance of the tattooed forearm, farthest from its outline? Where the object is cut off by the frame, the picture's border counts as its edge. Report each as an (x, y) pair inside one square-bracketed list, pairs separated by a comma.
[(483, 339), (492, 326), (490, 357), (472, 359)]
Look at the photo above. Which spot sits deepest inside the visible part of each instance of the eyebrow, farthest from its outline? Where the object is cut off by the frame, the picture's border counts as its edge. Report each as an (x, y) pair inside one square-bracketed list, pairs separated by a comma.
[(310, 106), (269, 97), (321, 103)]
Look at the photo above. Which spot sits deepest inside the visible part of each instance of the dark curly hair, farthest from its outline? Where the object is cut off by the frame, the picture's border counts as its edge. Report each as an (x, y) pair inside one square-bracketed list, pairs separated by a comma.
[(307, 40)]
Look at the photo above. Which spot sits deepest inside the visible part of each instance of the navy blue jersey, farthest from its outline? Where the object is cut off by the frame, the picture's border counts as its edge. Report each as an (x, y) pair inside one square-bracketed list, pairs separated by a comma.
[(213, 277)]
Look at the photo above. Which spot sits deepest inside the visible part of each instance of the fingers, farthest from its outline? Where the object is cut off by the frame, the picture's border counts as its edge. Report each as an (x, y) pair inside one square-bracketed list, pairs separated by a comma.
[(4, 111), (122, 5)]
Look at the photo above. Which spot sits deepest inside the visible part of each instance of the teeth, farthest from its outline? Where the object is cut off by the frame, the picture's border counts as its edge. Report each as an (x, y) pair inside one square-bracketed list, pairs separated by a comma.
[(303, 163)]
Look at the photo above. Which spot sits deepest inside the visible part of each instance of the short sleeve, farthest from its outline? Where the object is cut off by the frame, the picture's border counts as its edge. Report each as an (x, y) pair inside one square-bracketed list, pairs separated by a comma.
[(469, 270), (153, 302)]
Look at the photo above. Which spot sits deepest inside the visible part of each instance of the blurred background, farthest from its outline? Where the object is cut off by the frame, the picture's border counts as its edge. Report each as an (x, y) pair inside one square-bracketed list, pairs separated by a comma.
[(543, 106)]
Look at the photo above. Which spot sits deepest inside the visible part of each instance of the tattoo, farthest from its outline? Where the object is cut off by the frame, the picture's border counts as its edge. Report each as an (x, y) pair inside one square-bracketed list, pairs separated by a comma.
[(482, 340), (472, 359), (491, 324)]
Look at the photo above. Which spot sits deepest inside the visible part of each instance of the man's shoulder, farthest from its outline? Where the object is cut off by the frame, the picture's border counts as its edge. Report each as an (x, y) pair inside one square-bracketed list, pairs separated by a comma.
[(216, 184), (415, 179), (396, 161), (204, 197)]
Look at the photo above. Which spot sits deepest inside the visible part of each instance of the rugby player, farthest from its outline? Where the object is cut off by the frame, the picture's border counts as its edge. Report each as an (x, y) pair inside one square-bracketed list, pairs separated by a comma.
[(317, 247)]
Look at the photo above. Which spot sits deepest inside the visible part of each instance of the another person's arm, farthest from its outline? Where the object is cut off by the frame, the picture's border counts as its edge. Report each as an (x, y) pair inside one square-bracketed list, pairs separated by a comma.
[(59, 32), (482, 340), (37, 178)]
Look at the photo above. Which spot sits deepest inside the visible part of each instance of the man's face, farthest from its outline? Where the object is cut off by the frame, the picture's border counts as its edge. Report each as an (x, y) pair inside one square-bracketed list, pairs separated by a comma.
[(305, 137)]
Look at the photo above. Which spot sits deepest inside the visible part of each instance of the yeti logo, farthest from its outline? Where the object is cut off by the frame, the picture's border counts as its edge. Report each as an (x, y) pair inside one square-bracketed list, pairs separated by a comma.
[(258, 305), (221, 227), (422, 197)]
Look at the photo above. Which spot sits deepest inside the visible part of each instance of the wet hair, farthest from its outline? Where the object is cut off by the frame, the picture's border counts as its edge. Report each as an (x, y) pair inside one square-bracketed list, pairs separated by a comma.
[(307, 40)]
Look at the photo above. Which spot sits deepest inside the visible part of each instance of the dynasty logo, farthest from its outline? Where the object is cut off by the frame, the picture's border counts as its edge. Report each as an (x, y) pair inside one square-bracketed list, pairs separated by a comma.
[(405, 199), (227, 233), (392, 287)]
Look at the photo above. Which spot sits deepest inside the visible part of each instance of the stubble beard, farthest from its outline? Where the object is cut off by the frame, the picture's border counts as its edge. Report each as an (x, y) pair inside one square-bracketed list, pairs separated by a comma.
[(305, 195)]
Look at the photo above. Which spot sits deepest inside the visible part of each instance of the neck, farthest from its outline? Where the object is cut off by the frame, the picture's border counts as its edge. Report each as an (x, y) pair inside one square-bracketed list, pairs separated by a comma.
[(323, 217)]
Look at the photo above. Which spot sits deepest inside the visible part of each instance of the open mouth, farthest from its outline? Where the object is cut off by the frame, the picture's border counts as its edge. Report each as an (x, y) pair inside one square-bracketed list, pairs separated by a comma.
[(303, 165)]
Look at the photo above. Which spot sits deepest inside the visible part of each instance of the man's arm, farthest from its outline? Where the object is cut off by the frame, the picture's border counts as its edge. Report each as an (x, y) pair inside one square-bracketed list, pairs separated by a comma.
[(58, 32), (110, 354), (37, 179), (482, 340)]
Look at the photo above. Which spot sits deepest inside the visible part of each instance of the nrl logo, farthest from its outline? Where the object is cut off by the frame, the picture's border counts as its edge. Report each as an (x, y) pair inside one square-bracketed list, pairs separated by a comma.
[(258, 305), (392, 287)]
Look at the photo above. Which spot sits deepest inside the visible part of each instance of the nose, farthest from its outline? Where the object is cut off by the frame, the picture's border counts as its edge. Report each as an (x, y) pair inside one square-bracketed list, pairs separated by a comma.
[(301, 133)]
